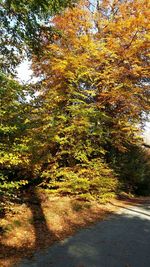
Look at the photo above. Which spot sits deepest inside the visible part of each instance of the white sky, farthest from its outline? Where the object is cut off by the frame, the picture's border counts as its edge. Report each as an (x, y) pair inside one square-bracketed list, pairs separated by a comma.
[(147, 133), (24, 72), (25, 75)]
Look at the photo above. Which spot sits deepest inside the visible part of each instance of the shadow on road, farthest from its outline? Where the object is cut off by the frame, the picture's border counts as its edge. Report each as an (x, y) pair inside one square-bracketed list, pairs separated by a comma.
[(119, 241)]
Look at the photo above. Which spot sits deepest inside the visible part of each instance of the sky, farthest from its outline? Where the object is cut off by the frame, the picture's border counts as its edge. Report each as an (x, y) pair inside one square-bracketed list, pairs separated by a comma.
[(25, 75), (147, 133), (24, 72)]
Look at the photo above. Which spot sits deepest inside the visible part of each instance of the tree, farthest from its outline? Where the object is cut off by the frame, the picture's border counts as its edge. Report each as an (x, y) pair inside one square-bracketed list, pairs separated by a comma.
[(133, 167), (96, 65), (23, 24), (14, 155)]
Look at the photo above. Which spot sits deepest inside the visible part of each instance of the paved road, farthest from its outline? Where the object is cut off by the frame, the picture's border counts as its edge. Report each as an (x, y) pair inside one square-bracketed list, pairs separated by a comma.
[(123, 240)]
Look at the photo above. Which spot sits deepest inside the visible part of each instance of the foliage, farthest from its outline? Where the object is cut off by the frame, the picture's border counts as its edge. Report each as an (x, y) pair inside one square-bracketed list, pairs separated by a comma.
[(92, 180), (90, 74), (22, 24), (13, 149), (101, 62), (133, 167), (81, 111), (69, 136)]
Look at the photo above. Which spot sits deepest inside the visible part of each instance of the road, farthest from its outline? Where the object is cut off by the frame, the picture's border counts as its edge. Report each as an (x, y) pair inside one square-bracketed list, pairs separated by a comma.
[(121, 240)]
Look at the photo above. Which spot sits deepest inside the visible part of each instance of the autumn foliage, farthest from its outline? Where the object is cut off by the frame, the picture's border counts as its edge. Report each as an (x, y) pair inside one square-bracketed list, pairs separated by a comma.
[(92, 95)]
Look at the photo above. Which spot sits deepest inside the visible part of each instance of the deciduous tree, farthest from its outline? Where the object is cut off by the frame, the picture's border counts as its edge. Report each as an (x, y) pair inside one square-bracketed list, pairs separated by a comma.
[(94, 89)]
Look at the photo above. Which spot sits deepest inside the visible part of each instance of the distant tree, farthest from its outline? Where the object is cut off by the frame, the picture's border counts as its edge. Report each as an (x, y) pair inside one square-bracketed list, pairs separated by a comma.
[(133, 167)]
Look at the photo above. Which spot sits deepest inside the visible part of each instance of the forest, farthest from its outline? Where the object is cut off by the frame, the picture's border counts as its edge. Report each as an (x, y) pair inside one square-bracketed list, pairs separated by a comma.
[(77, 130)]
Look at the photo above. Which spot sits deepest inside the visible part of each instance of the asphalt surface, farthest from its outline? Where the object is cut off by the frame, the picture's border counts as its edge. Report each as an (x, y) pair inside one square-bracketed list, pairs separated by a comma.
[(122, 240)]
